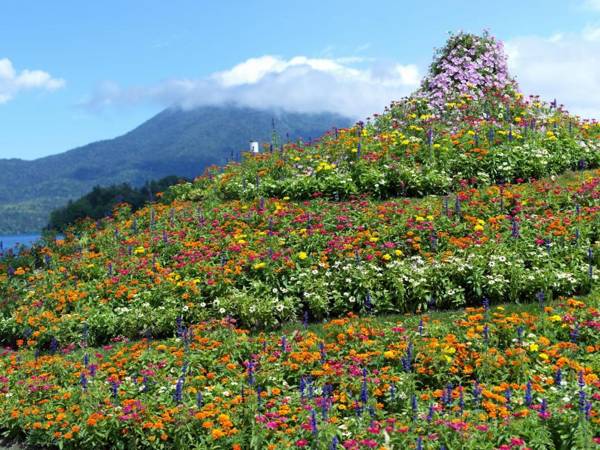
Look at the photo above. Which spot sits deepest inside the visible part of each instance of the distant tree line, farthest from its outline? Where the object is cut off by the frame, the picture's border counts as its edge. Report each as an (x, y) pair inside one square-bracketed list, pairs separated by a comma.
[(100, 201)]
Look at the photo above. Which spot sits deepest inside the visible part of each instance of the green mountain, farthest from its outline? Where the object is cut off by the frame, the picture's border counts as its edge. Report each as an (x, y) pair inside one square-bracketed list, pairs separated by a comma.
[(174, 142)]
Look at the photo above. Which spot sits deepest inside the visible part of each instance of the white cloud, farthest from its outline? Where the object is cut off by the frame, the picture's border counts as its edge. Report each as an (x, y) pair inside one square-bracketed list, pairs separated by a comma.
[(565, 67), (11, 82), (353, 86), (594, 5)]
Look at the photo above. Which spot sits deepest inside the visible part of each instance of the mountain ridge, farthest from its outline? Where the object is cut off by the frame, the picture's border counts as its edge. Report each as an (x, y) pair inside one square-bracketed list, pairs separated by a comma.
[(173, 142)]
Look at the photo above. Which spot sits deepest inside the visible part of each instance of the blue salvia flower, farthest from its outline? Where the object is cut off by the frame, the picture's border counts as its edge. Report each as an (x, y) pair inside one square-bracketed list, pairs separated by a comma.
[(581, 379), (461, 399), (86, 360), (84, 381), (115, 390), (548, 245), (448, 394), (419, 443), (515, 228), (364, 392), (507, 396), (486, 304), (457, 208), (430, 413), (283, 344), (178, 395), (322, 352), (520, 334), (358, 150), (540, 297), (528, 394), (429, 137), (305, 320), (356, 256), (476, 139), (558, 377), (302, 386), (575, 333), (200, 399), (582, 401), (421, 327), (261, 204), (491, 135), (313, 422), (110, 269), (486, 333), (165, 238), (334, 441), (392, 392), (588, 410), (145, 384), (476, 393), (53, 345), (413, 405), (544, 406), (368, 303)]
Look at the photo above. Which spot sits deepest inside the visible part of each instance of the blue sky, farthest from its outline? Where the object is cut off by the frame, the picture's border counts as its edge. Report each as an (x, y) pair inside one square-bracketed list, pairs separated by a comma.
[(105, 67)]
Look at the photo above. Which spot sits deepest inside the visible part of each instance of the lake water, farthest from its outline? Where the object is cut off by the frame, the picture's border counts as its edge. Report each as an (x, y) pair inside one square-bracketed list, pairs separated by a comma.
[(11, 241)]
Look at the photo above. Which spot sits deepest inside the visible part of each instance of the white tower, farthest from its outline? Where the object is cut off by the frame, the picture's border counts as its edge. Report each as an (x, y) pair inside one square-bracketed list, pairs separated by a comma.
[(254, 147)]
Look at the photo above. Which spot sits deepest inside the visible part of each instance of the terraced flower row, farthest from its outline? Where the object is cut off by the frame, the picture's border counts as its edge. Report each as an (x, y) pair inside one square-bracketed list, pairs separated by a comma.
[(484, 378), (412, 150), (269, 262)]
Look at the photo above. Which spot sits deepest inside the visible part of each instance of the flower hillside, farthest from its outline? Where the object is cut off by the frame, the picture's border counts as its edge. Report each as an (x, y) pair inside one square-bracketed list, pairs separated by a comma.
[(427, 279), (486, 378), (468, 123), (271, 261)]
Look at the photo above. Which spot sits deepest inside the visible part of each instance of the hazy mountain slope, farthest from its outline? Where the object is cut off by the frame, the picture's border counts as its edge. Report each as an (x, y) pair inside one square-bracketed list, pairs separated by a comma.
[(172, 142)]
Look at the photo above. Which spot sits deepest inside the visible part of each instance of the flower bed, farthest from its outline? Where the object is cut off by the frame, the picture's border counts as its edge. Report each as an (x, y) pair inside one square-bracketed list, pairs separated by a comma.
[(485, 378)]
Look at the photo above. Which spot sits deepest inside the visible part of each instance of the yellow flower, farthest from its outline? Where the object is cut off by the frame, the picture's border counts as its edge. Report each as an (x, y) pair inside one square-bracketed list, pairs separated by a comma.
[(534, 347), (478, 227), (399, 253), (302, 255), (555, 318), (139, 250), (259, 266), (387, 257), (390, 354), (543, 356)]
